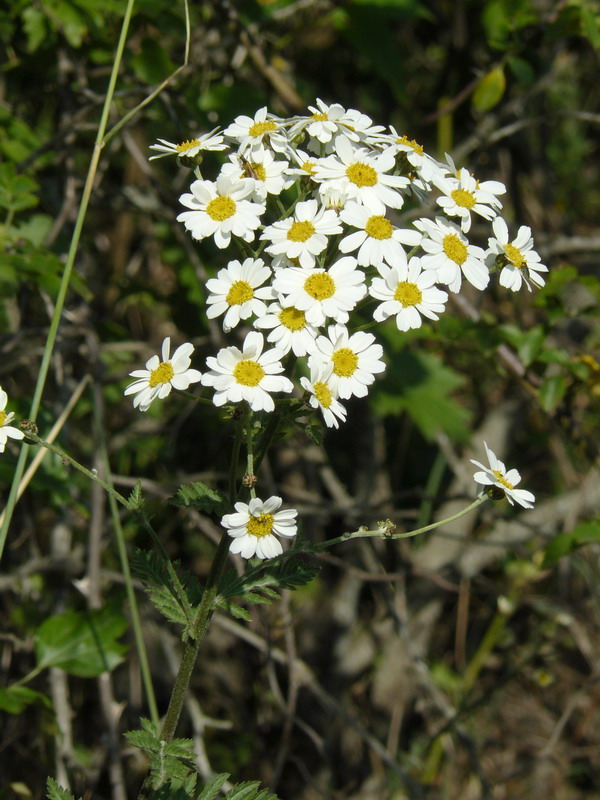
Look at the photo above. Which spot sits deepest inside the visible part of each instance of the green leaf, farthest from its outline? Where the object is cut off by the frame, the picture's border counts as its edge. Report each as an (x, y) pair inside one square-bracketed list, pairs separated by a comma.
[(528, 344), (490, 90), (56, 792), (199, 495), (81, 643), (171, 763), (249, 791), (213, 787), (14, 699), (521, 69), (566, 543), (552, 392), (136, 498), (151, 569)]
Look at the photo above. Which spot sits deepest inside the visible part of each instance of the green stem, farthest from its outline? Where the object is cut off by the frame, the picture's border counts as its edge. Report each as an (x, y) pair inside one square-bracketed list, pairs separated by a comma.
[(66, 276), (250, 452)]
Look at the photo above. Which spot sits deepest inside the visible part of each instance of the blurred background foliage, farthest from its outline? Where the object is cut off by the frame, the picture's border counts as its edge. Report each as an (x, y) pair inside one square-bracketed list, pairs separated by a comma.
[(469, 698)]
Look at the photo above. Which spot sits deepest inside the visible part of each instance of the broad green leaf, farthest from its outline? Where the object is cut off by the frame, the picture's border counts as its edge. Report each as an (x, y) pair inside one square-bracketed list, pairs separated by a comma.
[(81, 643), (490, 90), (552, 392), (56, 792), (566, 543), (521, 69), (16, 698)]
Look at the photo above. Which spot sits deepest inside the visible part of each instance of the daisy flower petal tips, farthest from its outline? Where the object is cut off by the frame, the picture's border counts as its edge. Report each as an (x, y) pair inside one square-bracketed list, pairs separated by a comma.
[(162, 375), (255, 526), (497, 475), (7, 431)]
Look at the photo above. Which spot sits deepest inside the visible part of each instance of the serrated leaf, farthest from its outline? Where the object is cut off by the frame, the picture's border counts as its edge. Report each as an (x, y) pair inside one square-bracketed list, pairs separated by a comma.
[(250, 790), (198, 495), (56, 792), (552, 392), (151, 569), (14, 699), (136, 498), (81, 643), (490, 90)]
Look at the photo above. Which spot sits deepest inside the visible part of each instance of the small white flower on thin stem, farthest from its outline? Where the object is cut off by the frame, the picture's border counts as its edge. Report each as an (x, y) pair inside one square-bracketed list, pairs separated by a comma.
[(263, 129), (247, 374), (363, 176), (464, 194), (376, 240), (407, 292), (518, 260), (449, 253), (191, 147), (289, 329), (322, 293), (160, 376), (219, 209), (254, 527), (235, 293), (354, 360), (497, 475), (7, 431), (303, 236), (323, 394)]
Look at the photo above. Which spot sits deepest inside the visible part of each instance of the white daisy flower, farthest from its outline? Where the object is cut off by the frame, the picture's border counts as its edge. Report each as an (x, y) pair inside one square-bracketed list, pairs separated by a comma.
[(449, 253), (306, 165), (218, 209), (304, 235), (464, 194), (253, 132), (328, 121), (247, 374), (289, 329), (160, 377), (377, 240), (269, 175), (363, 176), (323, 395), (519, 261), (191, 147), (322, 293), (7, 431), (497, 475), (417, 160), (355, 360), (407, 293), (255, 525), (235, 293)]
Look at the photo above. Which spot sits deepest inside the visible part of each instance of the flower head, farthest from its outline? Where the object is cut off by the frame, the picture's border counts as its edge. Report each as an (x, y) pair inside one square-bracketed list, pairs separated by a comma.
[(247, 374), (464, 194), (254, 527), (323, 394), (304, 235), (497, 475), (160, 376), (235, 293), (408, 293), (190, 147), (376, 240), (7, 431), (449, 253), (253, 132), (289, 329), (517, 258)]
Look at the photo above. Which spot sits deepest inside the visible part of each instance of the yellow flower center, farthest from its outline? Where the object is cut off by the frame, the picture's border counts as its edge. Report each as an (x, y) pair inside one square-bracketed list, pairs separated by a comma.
[(501, 479), (515, 256), (3, 416), (408, 294), (253, 170), (259, 128), (239, 293), (320, 117), (300, 231), (455, 249), (411, 143), (293, 319), (361, 174), (309, 166), (379, 228), (248, 373), (162, 374), (221, 208), (320, 286), (260, 526), (187, 145), (345, 362), (323, 394), (463, 198)]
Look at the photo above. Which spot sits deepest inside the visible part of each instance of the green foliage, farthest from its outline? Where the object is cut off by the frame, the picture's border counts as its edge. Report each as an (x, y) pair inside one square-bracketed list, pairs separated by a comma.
[(490, 90), (171, 763), (152, 570), (421, 385), (81, 643), (56, 792), (14, 699), (136, 498), (198, 495), (566, 543)]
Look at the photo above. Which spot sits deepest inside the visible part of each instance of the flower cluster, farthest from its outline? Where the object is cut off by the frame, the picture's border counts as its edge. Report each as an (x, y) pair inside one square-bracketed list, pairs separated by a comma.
[(314, 204)]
